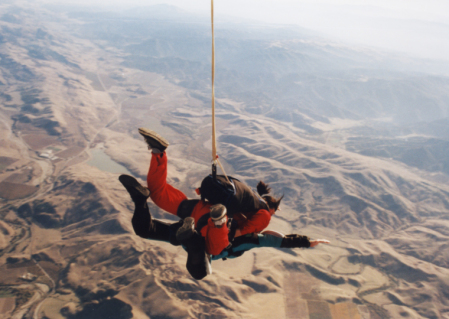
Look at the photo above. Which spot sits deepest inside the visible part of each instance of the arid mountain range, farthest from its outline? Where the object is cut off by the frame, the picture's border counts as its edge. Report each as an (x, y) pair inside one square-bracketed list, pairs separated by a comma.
[(355, 139)]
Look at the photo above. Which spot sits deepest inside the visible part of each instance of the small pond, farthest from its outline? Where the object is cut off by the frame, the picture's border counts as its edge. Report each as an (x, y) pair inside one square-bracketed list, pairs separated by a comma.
[(102, 161)]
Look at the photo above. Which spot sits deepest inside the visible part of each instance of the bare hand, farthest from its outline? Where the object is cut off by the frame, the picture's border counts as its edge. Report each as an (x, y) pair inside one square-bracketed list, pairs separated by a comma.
[(315, 242)]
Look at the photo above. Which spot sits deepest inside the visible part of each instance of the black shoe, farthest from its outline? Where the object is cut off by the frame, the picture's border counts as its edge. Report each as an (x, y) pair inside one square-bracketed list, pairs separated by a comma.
[(187, 230), (138, 193), (153, 139)]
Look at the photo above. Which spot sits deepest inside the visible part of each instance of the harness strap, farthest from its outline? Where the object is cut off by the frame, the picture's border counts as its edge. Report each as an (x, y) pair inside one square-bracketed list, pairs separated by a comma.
[(186, 207), (202, 222)]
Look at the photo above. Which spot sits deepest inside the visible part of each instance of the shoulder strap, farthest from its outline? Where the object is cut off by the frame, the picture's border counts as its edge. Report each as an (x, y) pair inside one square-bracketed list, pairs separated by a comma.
[(185, 209)]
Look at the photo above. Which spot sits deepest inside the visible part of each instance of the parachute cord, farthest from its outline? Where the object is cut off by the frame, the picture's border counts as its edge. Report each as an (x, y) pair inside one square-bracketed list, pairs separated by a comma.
[(214, 146), (214, 143), (222, 169)]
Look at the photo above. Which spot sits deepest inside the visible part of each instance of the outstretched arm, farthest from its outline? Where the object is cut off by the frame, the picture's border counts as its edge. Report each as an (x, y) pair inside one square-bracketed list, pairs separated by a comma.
[(315, 242), (267, 239), (298, 241)]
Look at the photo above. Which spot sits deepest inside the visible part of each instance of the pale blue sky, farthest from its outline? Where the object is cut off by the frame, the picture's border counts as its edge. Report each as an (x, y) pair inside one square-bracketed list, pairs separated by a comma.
[(415, 27)]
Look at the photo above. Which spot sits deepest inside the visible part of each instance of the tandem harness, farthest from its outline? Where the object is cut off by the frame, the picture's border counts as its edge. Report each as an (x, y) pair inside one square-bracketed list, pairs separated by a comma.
[(185, 210)]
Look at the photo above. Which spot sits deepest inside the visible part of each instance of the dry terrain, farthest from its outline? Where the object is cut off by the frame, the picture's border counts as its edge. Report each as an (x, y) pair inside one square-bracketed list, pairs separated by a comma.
[(67, 248)]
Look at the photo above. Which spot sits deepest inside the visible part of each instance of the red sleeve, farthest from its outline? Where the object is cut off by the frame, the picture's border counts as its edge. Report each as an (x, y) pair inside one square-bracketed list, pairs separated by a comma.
[(258, 222), (216, 238)]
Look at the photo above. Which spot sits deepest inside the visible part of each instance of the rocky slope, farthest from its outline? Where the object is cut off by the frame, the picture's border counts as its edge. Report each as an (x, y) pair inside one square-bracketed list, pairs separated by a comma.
[(68, 96)]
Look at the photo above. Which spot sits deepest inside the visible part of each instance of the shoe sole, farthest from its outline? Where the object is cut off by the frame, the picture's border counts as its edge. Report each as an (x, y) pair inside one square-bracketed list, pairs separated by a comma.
[(130, 182), (219, 211), (149, 133), (186, 231)]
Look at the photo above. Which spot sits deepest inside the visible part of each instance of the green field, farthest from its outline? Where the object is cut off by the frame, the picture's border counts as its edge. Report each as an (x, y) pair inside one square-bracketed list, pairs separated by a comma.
[(6, 294)]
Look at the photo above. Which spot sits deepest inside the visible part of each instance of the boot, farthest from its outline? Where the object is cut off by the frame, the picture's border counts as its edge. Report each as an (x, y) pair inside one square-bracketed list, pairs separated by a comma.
[(173, 229), (139, 194), (154, 140), (187, 230)]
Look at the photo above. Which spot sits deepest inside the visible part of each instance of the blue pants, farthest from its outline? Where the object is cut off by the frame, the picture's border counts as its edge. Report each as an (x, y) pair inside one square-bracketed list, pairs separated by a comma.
[(248, 242)]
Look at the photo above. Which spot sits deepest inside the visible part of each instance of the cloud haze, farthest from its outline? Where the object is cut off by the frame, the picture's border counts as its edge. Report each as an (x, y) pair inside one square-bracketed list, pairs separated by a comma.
[(417, 28)]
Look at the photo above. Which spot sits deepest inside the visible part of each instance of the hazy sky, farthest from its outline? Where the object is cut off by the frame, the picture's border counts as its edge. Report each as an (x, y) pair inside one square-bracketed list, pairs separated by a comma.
[(417, 27)]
